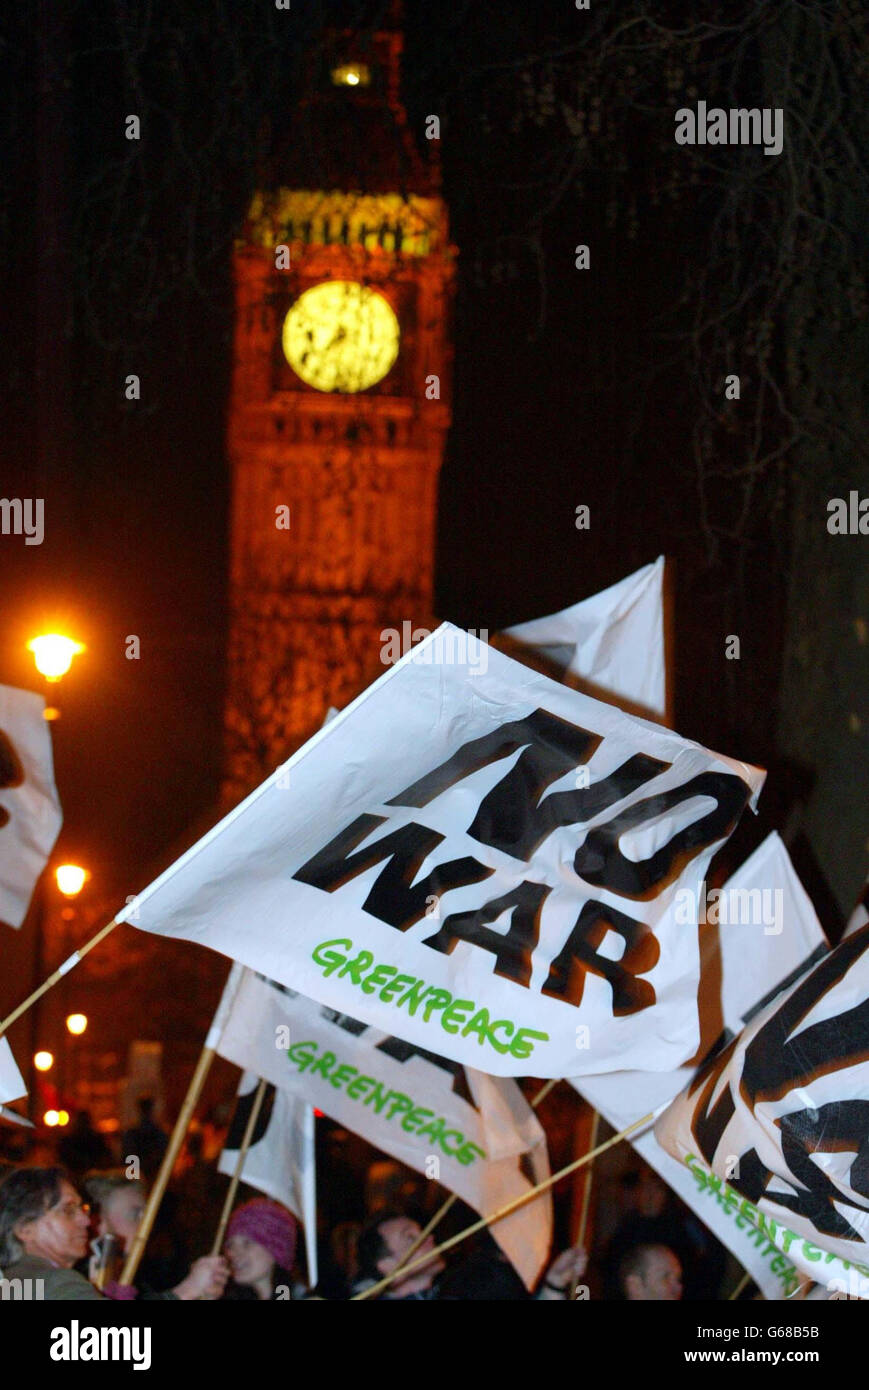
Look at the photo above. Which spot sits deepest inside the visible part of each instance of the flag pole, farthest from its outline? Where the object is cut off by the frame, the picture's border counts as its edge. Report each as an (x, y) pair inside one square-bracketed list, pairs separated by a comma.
[(508, 1208), (746, 1279), (57, 975), (194, 1090), (453, 1198), (155, 1197), (586, 1197), (242, 1154)]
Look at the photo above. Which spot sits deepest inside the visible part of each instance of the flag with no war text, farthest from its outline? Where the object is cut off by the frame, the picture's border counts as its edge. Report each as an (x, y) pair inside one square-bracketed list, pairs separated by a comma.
[(280, 1160), (474, 1134), (30, 815), (760, 935), (779, 1121), (613, 642), (478, 859)]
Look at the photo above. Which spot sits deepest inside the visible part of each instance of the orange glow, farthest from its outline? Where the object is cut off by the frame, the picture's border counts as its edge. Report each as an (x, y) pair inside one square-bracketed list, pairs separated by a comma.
[(53, 654), (70, 879)]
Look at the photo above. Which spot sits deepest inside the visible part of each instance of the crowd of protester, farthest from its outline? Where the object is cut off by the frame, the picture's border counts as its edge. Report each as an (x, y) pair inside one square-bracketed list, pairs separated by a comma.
[(70, 1222)]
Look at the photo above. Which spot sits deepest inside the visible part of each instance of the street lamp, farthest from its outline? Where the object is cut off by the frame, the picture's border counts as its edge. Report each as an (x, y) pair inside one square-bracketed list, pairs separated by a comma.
[(76, 1024), (43, 1061), (53, 654), (70, 879)]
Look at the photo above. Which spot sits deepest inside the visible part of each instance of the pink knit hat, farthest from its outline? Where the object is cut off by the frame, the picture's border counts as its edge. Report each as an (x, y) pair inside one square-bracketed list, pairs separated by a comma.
[(270, 1225)]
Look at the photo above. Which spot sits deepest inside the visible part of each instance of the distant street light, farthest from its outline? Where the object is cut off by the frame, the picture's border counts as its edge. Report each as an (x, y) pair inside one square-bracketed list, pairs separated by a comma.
[(43, 1061), (76, 1024), (70, 879), (53, 654), (51, 1118)]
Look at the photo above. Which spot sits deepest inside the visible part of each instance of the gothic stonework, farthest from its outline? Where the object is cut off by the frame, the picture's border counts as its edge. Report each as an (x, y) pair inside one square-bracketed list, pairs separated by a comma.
[(334, 491)]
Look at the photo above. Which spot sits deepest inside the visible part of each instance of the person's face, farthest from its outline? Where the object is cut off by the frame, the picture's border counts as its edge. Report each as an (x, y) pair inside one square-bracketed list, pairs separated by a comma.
[(61, 1233), (661, 1280), (398, 1236), (122, 1212), (652, 1195), (248, 1260)]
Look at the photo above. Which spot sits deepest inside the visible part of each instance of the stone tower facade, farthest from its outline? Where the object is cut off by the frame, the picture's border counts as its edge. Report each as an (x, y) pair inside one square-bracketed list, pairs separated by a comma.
[(339, 409)]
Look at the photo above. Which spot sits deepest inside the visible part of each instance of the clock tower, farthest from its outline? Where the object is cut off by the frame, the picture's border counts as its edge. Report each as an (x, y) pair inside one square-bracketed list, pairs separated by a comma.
[(338, 407)]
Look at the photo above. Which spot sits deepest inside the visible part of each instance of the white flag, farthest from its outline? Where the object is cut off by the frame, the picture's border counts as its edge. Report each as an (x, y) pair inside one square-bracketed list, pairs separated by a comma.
[(474, 1134), (280, 1160), (30, 816), (768, 934), (613, 642), (478, 859), (778, 1123), (860, 916), (11, 1085)]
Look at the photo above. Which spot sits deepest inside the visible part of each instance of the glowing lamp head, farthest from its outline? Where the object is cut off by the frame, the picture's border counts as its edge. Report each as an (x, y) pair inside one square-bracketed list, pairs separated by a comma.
[(43, 1061), (63, 1117), (351, 75), (53, 654), (76, 1024), (50, 1118), (70, 879)]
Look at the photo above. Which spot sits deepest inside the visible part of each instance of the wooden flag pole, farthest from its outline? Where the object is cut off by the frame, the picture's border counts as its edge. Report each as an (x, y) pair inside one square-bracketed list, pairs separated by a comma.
[(194, 1090), (746, 1279), (507, 1209), (453, 1198), (236, 1177), (155, 1197), (57, 975), (586, 1200)]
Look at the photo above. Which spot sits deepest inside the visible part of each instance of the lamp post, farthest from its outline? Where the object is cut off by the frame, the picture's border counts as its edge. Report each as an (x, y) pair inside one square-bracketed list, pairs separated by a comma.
[(53, 654)]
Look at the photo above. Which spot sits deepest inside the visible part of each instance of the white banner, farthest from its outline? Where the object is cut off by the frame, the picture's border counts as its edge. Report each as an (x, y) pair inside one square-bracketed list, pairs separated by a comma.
[(768, 932), (613, 641), (280, 1160), (860, 916), (11, 1085), (779, 1122), (479, 859), (30, 816), (474, 1134)]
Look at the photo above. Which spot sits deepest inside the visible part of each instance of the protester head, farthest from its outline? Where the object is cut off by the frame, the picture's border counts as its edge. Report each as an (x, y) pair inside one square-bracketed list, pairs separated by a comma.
[(261, 1246), (117, 1205), (41, 1214), (650, 1273), (384, 1242)]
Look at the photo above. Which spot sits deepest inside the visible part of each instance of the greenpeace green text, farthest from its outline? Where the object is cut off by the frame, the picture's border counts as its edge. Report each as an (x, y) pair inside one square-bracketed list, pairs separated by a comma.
[(453, 1015), (415, 1119), (765, 1227)]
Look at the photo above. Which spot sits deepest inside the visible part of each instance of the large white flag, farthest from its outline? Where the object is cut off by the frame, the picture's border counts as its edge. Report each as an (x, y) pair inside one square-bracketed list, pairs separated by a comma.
[(11, 1085), (760, 932), (613, 641), (779, 1122), (30, 816), (478, 859), (280, 1160), (474, 1134)]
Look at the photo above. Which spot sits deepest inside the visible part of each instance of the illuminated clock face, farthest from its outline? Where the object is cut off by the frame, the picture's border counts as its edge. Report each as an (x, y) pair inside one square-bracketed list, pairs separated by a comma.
[(341, 336)]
